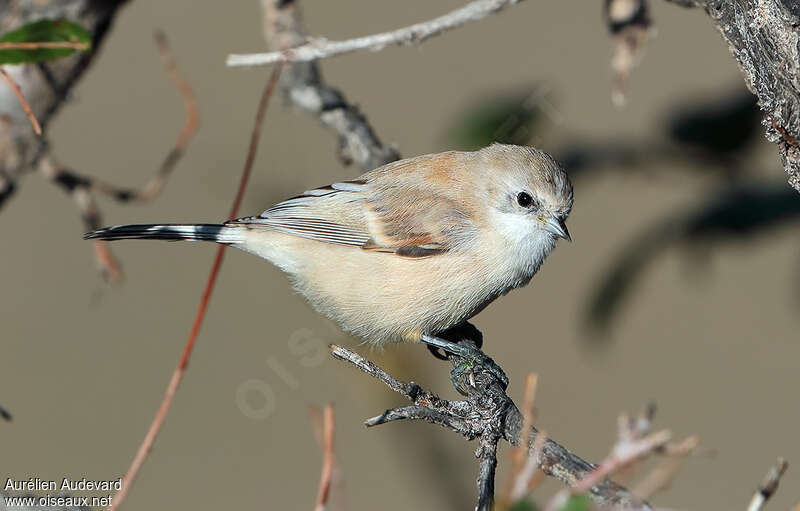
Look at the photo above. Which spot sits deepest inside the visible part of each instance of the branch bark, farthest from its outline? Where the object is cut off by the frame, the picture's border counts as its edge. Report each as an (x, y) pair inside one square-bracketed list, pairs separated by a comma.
[(764, 38), (45, 85), (768, 486), (303, 85), (321, 48), (487, 414)]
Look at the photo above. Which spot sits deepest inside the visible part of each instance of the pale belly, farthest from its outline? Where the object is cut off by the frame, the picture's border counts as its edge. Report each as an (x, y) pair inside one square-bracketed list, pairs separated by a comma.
[(381, 297)]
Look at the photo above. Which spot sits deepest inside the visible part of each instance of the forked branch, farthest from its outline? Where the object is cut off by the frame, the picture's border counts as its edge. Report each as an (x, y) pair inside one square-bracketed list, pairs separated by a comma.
[(489, 415), (303, 84), (316, 49)]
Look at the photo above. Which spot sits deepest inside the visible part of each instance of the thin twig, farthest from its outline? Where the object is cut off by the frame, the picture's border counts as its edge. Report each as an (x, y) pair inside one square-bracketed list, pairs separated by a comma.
[(662, 475), (623, 454), (303, 84), (45, 45), (192, 122), (81, 187), (768, 485), (629, 22), (190, 126), (526, 480), (108, 263), (321, 48), (177, 375), (522, 455), (24, 102), (325, 478), (630, 430), (620, 459), (521, 452)]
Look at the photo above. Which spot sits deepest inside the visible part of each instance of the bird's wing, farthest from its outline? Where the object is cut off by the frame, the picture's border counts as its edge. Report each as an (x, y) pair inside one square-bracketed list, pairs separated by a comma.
[(386, 210), (416, 207), (330, 214)]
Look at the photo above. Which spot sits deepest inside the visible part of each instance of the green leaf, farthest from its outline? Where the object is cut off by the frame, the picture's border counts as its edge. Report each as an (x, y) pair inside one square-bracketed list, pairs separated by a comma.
[(578, 503), (525, 504), (509, 118), (48, 31)]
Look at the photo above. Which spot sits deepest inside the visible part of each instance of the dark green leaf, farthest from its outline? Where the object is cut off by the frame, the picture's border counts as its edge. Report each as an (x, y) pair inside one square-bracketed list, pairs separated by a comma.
[(577, 503), (511, 118), (525, 504), (42, 31)]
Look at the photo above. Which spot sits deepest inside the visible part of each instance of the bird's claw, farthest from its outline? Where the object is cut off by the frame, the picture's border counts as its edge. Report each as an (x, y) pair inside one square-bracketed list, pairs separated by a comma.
[(472, 356)]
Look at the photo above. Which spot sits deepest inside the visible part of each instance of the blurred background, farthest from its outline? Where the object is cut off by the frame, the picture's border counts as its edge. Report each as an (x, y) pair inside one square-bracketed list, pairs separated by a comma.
[(681, 287)]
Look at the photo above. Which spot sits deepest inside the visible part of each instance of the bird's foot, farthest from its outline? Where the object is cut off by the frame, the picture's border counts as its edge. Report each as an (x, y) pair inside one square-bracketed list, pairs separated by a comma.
[(471, 357)]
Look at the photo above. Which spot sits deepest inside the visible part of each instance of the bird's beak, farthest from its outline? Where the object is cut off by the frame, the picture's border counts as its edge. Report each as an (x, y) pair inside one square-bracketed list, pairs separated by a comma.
[(557, 226)]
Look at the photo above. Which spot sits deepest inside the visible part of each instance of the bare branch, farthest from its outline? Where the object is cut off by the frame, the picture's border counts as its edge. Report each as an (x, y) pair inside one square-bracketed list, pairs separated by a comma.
[(304, 86), (768, 486), (22, 101), (662, 475), (633, 443), (629, 23), (623, 456), (180, 370), (523, 460), (763, 37), (55, 45), (529, 476), (325, 478), (322, 48), (192, 122), (82, 188), (489, 414), (46, 85), (79, 188)]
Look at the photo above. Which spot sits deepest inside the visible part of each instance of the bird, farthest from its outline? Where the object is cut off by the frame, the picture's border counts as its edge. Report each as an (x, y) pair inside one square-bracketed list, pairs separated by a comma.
[(409, 249)]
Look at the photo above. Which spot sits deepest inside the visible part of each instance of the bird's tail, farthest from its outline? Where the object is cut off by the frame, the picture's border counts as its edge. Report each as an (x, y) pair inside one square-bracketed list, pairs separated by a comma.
[(170, 232)]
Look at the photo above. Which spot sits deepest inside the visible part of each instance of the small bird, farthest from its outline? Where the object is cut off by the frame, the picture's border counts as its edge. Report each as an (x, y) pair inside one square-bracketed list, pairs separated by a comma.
[(411, 248)]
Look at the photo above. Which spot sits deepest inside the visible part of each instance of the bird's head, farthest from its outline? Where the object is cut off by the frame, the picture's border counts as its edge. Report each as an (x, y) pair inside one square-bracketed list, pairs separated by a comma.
[(529, 194)]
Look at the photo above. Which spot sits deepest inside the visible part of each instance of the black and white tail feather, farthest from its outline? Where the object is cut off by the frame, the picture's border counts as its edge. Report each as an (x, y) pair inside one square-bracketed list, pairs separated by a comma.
[(290, 216), (170, 232)]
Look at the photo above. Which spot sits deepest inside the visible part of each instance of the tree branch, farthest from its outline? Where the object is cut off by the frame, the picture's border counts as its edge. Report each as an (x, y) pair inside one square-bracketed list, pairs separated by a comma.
[(768, 486), (489, 414), (327, 429), (303, 85), (82, 188), (764, 38), (180, 370), (322, 48), (22, 101), (45, 85)]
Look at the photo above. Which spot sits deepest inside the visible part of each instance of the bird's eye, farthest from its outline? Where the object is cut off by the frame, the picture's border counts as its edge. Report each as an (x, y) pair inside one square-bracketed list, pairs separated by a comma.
[(524, 199)]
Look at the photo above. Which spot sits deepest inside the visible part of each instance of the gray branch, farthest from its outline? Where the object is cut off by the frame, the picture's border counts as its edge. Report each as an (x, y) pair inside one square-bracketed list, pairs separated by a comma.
[(768, 486), (322, 48), (303, 85), (764, 38), (487, 414), (46, 85)]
